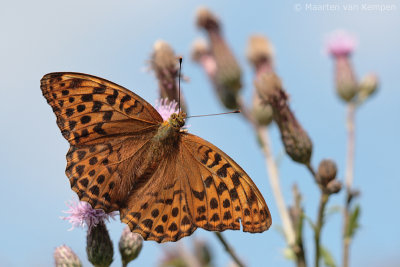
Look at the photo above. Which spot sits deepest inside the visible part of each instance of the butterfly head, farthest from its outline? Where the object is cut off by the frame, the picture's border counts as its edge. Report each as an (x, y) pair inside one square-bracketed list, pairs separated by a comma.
[(177, 120)]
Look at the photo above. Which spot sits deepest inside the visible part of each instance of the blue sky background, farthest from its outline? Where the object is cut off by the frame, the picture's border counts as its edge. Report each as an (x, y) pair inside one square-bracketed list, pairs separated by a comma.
[(113, 39)]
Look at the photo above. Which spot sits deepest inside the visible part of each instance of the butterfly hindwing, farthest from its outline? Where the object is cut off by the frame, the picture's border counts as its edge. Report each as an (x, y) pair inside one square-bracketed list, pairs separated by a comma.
[(222, 193), (102, 174), (159, 211), (196, 185), (90, 110)]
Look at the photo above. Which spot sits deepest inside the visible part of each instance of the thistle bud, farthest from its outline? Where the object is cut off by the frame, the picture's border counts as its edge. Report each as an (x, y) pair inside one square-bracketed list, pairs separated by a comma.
[(165, 65), (99, 247), (203, 253), (261, 111), (65, 257), (227, 78), (368, 86), (333, 187), (296, 141), (346, 83), (326, 171), (130, 246)]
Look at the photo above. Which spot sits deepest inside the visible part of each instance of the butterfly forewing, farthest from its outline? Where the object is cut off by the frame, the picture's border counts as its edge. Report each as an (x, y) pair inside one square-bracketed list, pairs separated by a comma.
[(90, 109), (107, 126)]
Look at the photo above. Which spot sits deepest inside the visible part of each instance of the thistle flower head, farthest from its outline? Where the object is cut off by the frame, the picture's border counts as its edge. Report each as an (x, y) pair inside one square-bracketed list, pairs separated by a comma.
[(65, 257), (163, 57), (81, 214), (166, 108), (130, 245), (260, 52), (340, 43), (165, 65), (206, 19)]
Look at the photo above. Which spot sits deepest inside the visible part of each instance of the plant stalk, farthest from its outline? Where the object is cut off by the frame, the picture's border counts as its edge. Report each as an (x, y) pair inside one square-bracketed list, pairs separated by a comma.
[(273, 175), (318, 227), (229, 249), (349, 177)]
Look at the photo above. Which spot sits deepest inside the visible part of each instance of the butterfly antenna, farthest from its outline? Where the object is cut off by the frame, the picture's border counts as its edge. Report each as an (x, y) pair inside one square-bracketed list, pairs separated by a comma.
[(179, 84), (236, 111)]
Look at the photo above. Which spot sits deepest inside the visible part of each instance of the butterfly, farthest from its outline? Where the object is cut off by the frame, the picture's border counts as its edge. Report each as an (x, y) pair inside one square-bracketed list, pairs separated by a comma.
[(164, 181)]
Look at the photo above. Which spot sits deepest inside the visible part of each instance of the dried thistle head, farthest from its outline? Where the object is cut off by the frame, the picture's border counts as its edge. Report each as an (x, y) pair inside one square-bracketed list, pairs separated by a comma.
[(260, 53), (163, 57), (207, 20), (165, 65), (227, 75)]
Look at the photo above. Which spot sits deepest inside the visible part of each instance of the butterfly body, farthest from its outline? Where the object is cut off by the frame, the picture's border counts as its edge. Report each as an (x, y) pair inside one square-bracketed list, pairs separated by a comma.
[(164, 181)]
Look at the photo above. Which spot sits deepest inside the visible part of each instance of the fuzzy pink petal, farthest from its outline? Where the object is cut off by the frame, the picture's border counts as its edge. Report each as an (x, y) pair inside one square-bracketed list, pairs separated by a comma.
[(166, 109), (340, 43), (81, 214)]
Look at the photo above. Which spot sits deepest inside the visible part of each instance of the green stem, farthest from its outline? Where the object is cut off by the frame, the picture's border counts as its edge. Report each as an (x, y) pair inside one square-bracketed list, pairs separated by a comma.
[(229, 249), (298, 220), (318, 227)]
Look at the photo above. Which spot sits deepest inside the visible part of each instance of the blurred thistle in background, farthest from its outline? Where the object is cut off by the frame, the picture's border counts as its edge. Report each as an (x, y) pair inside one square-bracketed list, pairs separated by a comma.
[(340, 120), (226, 78), (271, 102)]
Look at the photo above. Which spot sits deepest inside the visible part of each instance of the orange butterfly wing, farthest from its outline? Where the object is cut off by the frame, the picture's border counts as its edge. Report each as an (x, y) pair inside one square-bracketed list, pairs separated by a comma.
[(196, 185), (110, 130), (106, 125), (221, 192)]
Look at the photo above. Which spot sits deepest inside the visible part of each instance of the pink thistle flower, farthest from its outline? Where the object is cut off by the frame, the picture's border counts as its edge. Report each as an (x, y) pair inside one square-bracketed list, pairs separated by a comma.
[(166, 108), (340, 43), (81, 214)]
